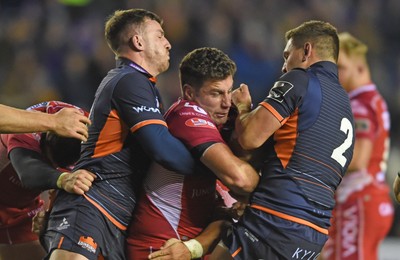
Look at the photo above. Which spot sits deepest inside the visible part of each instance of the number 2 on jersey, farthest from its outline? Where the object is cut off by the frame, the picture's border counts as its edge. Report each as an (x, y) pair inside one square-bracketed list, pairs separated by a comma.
[(337, 153)]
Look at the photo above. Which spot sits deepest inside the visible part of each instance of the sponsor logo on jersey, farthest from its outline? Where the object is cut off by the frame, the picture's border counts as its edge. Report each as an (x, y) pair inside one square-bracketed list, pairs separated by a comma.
[(349, 231), (279, 90), (362, 125), (202, 192), (199, 122), (63, 225), (88, 244), (146, 109)]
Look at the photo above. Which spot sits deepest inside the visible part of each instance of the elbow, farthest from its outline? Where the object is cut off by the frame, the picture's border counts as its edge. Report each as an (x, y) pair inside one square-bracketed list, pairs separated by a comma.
[(245, 185), (248, 143)]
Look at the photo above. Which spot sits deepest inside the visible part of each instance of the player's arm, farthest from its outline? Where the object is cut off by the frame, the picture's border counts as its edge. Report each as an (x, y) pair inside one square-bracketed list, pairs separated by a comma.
[(149, 127), (36, 173), (252, 127), (361, 155), (165, 149), (195, 248), (68, 122), (239, 176)]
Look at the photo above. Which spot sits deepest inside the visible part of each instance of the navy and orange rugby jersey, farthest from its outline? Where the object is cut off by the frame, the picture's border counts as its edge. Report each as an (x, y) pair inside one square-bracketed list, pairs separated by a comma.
[(125, 101), (309, 154)]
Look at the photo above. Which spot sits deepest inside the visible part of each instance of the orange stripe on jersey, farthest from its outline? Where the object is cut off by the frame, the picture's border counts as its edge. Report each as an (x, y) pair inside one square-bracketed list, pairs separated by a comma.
[(111, 137), (326, 165), (237, 252), (148, 122), (286, 139), (315, 183), (291, 218), (113, 220), (60, 243), (272, 110)]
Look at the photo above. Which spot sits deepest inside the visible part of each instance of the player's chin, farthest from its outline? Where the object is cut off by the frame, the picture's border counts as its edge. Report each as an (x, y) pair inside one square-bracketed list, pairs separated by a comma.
[(221, 120)]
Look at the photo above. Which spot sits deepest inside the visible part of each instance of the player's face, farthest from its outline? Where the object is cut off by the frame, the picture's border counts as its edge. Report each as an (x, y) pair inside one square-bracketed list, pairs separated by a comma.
[(215, 98), (293, 57), (157, 47), (346, 70)]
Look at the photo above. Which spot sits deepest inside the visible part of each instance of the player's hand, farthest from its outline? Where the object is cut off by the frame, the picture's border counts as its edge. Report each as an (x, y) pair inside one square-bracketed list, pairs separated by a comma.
[(39, 222), (173, 249), (237, 209), (78, 182), (70, 122), (241, 98), (396, 188)]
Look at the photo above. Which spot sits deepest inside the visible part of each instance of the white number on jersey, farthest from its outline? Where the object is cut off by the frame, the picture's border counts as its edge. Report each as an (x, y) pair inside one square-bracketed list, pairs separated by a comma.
[(337, 153), (196, 108)]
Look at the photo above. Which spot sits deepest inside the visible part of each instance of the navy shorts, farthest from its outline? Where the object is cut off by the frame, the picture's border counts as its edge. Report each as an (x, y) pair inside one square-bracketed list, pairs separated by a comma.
[(259, 235), (76, 225)]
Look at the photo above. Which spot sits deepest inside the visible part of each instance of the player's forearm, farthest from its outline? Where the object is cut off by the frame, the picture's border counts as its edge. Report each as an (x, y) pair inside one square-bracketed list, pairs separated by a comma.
[(33, 171), (211, 235), (13, 120), (236, 174), (165, 149)]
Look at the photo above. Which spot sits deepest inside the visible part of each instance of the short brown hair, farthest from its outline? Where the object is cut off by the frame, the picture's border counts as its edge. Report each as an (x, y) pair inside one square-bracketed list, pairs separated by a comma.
[(119, 23), (205, 64), (322, 35)]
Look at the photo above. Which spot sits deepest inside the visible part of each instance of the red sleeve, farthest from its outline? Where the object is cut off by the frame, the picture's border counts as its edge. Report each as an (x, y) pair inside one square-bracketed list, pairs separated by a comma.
[(27, 141), (364, 118), (192, 125)]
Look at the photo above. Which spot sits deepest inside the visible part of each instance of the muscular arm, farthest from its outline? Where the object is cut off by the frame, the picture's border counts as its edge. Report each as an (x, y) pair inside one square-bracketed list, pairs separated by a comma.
[(165, 149), (236, 174), (255, 127), (175, 249), (68, 122), (211, 235)]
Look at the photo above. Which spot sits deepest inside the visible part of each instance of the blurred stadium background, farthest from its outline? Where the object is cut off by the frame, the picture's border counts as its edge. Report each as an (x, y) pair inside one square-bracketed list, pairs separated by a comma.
[(53, 49)]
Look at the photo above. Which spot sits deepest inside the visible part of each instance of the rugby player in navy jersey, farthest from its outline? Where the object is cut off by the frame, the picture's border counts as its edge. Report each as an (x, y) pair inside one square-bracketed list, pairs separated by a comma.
[(128, 131), (307, 121)]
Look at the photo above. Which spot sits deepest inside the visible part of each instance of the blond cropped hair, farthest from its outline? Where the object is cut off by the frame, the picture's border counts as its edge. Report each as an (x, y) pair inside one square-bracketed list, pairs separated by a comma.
[(352, 46)]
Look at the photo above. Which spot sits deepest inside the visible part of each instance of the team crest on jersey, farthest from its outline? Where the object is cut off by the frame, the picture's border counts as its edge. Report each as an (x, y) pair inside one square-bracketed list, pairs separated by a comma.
[(279, 90), (88, 244), (199, 122), (362, 125)]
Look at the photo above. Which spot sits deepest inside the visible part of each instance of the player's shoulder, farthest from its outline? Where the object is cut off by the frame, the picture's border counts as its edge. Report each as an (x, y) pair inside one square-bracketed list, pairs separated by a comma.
[(296, 76)]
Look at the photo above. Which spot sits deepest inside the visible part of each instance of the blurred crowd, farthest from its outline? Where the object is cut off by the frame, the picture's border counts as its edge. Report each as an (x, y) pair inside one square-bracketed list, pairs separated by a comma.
[(55, 50)]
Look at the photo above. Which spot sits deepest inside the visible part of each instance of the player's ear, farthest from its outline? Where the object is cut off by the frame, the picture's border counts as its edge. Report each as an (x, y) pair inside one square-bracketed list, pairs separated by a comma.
[(136, 42), (188, 92), (307, 49)]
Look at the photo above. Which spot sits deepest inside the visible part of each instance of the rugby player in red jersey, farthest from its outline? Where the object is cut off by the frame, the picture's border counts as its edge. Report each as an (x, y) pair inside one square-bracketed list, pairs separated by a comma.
[(181, 207), (29, 165)]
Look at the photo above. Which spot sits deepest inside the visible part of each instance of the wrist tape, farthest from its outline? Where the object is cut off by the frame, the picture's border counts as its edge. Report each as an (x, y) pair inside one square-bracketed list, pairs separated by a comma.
[(59, 180), (195, 248)]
